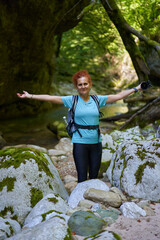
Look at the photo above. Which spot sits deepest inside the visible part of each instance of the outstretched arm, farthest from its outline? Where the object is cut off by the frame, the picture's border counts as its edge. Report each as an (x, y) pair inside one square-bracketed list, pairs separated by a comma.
[(121, 95), (41, 97)]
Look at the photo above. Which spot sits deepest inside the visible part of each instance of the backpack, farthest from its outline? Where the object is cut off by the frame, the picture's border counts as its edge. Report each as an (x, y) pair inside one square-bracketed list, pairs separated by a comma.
[(71, 125)]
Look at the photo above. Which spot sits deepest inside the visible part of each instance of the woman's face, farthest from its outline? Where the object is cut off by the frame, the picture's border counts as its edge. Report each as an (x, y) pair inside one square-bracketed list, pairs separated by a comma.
[(83, 86)]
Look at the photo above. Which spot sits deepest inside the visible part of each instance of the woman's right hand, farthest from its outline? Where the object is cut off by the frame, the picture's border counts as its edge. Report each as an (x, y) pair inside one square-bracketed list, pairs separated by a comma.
[(25, 94)]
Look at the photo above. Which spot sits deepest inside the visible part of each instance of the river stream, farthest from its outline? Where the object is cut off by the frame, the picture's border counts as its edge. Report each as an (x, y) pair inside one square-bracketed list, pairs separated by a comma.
[(33, 130)]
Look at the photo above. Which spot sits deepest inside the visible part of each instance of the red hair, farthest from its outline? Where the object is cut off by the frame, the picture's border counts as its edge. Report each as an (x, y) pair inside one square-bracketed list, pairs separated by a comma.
[(82, 73)]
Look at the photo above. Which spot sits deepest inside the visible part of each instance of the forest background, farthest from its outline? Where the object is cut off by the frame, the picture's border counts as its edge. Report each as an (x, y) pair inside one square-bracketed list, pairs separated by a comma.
[(43, 43), (95, 44)]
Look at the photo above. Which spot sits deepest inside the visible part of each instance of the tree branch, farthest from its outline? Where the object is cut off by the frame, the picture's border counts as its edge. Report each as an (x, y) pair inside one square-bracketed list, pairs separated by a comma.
[(139, 112)]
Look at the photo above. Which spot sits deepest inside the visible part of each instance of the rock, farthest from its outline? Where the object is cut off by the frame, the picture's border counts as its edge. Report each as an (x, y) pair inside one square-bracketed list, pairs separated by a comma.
[(30, 32), (135, 168), (109, 215), (8, 227), (55, 228), (70, 186), (46, 208), (85, 223), (40, 149), (77, 193), (119, 192), (107, 198), (158, 132), (149, 211), (143, 203), (64, 145), (69, 178), (131, 134), (54, 152), (105, 235), (132, 210), (86, 203), (26, 176)]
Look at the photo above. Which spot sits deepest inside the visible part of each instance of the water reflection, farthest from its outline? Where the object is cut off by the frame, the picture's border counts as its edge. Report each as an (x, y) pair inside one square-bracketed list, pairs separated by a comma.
[(33, 130)]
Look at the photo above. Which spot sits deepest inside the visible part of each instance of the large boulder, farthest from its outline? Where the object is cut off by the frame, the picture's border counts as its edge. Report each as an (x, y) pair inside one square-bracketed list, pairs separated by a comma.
[(26, 176), (55, 228), (30, 33), (77, 194), (135, 168)]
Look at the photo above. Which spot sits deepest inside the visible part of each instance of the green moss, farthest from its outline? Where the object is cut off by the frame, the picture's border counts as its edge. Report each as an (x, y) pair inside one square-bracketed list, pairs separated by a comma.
[(117, 237), (9, 182), (103, 168), (112, 150), (9, 209), (54, 200), (69, 234), (139, 173), (36, 196), (17, 156), (51, 211), (87, 217), (141, 153), (45, 214), (156, 144), (50, 186), (11, 230), (60, 217)]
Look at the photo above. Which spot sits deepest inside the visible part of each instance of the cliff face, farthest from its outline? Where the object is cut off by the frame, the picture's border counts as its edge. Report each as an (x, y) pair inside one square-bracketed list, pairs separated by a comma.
[(28, 47)]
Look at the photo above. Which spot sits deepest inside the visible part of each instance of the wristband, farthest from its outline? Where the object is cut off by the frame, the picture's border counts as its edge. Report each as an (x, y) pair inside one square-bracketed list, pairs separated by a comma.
[(135, 89), (31, 96)]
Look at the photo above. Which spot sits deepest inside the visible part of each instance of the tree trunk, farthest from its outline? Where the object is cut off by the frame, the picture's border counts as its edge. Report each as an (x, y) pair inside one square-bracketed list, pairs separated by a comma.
[(126, 31)]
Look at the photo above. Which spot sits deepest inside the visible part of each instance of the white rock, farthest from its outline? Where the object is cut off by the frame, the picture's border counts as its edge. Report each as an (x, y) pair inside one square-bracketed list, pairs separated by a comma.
[(28, 178), (54, 228), (49, 204), (106, 155), (132, 210), (6, 225), (135, 168), (77, 193), (105, 235), (64, 145)]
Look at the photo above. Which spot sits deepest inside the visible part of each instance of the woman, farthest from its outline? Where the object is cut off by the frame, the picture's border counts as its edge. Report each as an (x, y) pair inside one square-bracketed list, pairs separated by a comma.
[(87, 148)]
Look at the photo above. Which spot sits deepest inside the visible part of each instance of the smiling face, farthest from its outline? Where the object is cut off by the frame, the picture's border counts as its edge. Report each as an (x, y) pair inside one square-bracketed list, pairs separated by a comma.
[(83, 86)]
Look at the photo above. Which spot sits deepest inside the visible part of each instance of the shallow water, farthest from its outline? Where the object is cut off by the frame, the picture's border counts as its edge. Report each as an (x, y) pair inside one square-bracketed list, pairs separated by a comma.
[(33, 130)]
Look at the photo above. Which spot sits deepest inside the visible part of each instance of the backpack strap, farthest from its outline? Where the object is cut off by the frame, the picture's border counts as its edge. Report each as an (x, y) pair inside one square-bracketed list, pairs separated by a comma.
[(74, 102), (95, 98)]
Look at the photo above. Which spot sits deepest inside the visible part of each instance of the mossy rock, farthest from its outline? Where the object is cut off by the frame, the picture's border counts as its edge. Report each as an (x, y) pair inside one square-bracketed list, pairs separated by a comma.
[(85, 223), (26, 176)]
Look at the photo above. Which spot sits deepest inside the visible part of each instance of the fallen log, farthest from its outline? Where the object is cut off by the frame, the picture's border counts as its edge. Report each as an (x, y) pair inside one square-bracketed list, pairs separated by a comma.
[(147, 114), (141, 117)]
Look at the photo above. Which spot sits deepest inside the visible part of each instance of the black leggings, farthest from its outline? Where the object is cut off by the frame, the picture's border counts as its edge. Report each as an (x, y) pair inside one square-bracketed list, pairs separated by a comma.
[(87, 156)]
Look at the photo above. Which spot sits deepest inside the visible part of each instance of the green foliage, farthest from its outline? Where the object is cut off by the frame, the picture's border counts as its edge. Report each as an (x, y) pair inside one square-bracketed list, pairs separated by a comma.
[(90, 44), (94, 44), (143, 15)]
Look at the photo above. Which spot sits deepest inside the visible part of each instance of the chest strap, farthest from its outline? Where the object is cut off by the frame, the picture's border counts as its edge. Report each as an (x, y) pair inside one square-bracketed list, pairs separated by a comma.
[(89, 127)]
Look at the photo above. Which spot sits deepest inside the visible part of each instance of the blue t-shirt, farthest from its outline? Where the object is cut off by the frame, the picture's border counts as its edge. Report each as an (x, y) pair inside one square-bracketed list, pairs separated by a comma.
[(86, 113)]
